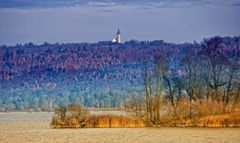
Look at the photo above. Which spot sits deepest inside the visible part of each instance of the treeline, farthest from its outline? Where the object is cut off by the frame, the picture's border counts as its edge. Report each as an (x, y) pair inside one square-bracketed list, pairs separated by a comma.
[(42, 77), (192, 86)]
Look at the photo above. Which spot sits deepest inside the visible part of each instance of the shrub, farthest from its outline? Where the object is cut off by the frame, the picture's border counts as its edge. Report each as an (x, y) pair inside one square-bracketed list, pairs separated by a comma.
[(71, 116), (74, 116)]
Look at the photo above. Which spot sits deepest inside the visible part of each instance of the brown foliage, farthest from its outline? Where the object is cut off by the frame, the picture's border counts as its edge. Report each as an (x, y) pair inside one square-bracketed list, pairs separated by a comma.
[(113, 121), (204, 114), (226, 120), (196, 113), (74, 116)]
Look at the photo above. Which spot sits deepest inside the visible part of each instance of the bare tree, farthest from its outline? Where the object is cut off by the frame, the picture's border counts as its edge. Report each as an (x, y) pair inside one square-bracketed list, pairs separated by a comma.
[(148, 94), (215, 60)]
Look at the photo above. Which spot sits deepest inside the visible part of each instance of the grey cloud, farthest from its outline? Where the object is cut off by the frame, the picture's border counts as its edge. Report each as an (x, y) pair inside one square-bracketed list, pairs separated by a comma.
[(105, 3), (235, 4), (109, 10)]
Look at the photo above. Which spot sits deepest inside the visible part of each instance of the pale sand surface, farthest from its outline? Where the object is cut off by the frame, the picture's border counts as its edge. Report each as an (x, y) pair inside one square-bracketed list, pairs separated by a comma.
[(34, 128)]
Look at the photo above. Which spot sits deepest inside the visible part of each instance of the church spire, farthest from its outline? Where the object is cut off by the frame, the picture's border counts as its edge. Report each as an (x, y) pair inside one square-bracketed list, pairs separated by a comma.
[(118, 32)]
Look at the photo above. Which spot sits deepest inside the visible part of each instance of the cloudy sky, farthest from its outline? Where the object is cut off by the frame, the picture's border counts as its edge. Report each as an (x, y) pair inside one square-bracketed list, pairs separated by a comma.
[(69, 21)]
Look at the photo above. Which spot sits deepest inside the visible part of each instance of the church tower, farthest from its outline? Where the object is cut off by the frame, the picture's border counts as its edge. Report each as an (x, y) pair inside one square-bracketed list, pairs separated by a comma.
[(118, 38)]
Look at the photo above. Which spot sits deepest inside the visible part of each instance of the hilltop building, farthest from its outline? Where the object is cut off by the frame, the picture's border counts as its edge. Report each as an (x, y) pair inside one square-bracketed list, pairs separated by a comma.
[(118, 38)]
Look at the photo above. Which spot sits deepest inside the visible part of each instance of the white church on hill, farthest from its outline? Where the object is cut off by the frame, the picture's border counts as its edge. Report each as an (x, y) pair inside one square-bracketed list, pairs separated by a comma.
[(118, 38)]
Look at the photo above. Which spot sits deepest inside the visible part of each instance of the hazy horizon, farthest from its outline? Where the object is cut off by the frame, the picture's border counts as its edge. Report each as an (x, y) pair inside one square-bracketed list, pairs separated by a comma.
[(75, 21)]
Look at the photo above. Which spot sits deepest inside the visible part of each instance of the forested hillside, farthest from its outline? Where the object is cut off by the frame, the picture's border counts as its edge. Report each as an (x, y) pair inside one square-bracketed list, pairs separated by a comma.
[(105, 74)]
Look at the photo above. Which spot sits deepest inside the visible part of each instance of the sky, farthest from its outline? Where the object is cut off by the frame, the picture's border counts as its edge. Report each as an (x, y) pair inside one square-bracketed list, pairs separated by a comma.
[(75, 21)]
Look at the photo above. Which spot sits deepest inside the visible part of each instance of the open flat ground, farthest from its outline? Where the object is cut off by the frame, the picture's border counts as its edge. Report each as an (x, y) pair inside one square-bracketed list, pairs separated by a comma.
[(34, 128)]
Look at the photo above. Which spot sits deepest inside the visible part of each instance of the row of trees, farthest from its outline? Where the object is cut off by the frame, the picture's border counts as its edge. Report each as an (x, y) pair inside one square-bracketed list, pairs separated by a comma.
[(190, 83)]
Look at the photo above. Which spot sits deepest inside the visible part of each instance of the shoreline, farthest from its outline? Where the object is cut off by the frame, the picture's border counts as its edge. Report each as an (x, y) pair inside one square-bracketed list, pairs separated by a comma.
[(47, 116)]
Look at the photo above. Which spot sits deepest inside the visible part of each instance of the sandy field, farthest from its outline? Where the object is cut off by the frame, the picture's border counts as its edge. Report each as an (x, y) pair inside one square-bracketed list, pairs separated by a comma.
[(34, 128)]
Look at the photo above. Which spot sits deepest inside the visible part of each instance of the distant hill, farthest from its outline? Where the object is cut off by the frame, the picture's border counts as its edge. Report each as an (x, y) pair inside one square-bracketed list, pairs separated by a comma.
[(100, 74)]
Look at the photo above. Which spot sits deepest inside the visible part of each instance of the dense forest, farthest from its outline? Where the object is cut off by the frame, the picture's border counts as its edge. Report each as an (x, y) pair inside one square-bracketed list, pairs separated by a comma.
[(105, 74)]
